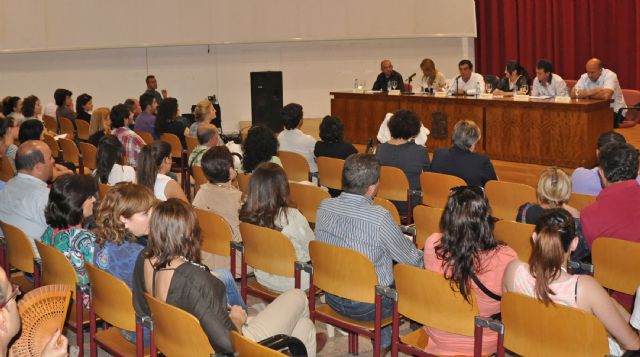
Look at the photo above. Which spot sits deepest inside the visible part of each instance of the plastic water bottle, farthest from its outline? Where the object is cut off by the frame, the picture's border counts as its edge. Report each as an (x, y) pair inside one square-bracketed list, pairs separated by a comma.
[(355, 85), (477, 89)]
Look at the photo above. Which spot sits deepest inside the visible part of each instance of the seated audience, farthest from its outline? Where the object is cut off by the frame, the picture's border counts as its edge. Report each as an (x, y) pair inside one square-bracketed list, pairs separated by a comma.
[(293, 139), (70, 202), (100, 125), (110, 167), (31, 108), (146, 121), (333, 144), (352, 221), (84, 107), (259, 146), (9, 130), (12, 107), (401, 152), (515, 77), (134, 107), (268, 204), (33, 129), (120, 120), (64, 103), (171, 270), (204, 114), (207, 138), (545, 277), (469, 256), (153, 167), (460, 160), (168, 121), (431, 77)]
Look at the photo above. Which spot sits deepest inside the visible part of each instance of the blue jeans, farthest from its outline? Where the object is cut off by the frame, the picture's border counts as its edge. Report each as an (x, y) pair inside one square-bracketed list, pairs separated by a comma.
[(233, 295), (364, 312)]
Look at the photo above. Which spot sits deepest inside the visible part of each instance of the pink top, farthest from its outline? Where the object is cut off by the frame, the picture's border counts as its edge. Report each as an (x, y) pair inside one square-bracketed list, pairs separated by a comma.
[(564, 292), (493, 264)]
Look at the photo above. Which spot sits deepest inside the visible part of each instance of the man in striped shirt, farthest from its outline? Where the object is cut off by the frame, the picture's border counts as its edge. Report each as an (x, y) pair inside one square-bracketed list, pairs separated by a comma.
[(352, 221)]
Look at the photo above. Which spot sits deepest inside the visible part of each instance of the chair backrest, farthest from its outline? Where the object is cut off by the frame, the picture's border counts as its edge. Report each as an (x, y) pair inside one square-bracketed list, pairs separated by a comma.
[(192, 142), (427, 297), (356, 283), (70, 152), (631, 97), (243, 181), (307, 199), (427, 220), (83, 129), (244, 347), (216, 233), (517, 236), (268, 250), (295, 165), (103, 188), (111, 298), (145, 136), (330, 172), (506, 197), (533, 329), (67, 127), (50, 123), (360, 147), (389, 207), (198, 175), (56, 268), (176, 146), (53, 145), (89, 153), (580, 201), (6, 169), (435, 188), (393, 184), (616, 264), (21, 255), (177, 332)]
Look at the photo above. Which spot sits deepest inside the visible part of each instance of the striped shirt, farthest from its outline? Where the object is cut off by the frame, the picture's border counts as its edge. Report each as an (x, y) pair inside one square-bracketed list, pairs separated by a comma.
[(352, 221)]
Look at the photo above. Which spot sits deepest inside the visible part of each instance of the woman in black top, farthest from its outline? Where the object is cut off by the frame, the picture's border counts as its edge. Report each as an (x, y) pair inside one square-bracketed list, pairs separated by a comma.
[(84, 105), (515, 76), (167, 120), (332, 144)]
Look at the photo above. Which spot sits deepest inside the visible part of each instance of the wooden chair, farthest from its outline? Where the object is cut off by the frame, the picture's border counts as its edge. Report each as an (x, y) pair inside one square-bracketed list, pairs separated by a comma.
[(360, 147), (103, 188), (83, 129), (295, 165), (112, 301), (427, 297), (244, 347), (180, 155), (176, 333), (307, 199), (145, 135), (243, 181), (50, 123), (6, 169), (89, 153), (216, 236), (56, 269), (427, 220), (358, 282), (21, 256), (198, 176), (330, 172), (506, 197), (192, 143), (53, 146), (267, 250), (67, 127), (580, 201), (435, 188), (617, 264), (394, 186), (389, 207), (70, 153), (517, 236), (535, 330)]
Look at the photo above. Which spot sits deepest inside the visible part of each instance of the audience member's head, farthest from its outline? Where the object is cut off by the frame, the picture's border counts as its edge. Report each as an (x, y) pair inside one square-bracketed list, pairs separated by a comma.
[(151, 81), (267, 196), (404, 124), (154, 158), (331, 129), (554, 187), (291, 115), (34, 158), (9, 130), (167, 112), (31, 129), (217, 165), (63, 97), (31, 107), (260, 145), (361, 175), (148, 103), (110, 152), (84, 103), (465, 135), (124, 213), (609, 137), (119, 116), (134, 106), (467, 232), (70, 201), (618, 162), (11, 105), (207, 134), (100, 121), (204, 111), (553, 241)]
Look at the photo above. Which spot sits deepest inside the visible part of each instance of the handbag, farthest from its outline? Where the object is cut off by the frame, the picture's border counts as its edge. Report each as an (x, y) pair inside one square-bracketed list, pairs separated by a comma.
[(288, 345)]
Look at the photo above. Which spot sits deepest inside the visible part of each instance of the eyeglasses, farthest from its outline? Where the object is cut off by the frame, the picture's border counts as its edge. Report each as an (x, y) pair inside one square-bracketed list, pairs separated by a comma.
[(15, 291), (475, 189)]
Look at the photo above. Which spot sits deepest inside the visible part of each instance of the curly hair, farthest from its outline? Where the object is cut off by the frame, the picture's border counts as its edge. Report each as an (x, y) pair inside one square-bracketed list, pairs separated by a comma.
[(267, 196), (66, 198), (619, 162), (123, 200), (404, 124), (260, 146), (331, 129)]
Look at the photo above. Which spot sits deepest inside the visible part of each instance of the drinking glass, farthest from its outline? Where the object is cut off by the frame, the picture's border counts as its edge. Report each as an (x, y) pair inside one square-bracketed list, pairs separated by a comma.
[(488, 87), (394, 84), (577, 93), (524, 89)]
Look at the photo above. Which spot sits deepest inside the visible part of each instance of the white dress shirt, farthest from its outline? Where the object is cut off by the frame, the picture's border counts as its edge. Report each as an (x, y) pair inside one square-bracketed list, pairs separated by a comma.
[(468, 86), (295, 140), (557, 87), (608, 79)]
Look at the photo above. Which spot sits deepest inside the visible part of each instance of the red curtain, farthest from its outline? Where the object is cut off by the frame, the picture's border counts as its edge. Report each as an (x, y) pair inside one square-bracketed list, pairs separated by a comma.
[(567, 32)]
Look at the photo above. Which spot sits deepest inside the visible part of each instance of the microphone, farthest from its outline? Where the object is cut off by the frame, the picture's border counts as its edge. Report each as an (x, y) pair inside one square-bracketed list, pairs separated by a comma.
[(456, 80), (410, 78)]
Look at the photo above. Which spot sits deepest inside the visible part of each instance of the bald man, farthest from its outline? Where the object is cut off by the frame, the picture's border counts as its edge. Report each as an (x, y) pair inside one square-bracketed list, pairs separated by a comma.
[(601, 83), (207, 138), (387, 75)]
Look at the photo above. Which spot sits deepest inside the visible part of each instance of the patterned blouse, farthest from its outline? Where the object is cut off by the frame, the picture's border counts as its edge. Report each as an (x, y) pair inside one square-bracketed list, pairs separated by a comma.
[(77, 244)]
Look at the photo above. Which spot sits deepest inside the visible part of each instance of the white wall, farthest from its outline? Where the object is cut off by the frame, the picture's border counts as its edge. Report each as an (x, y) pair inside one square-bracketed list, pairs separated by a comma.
[(310, 69)]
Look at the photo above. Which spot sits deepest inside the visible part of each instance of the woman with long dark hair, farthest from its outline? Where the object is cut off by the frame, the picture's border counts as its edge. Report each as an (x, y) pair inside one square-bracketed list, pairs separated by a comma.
[(110, 167), (473, 261), (167, 120), (84, 107), (154, 163), (260, 145), (515, 77), (9, 131)]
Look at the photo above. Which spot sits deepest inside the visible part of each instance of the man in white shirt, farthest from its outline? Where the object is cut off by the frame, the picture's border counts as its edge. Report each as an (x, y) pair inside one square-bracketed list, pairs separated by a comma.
[(25, 196), (601, 83), (293, 139), (467, 81), (548, 83)]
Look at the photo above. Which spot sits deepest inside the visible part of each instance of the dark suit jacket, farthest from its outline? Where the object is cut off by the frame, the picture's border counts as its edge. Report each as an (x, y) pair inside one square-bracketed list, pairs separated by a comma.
[(474, 169)]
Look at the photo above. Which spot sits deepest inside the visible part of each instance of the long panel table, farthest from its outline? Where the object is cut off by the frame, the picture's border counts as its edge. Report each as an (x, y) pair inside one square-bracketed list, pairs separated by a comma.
[(538, 132)]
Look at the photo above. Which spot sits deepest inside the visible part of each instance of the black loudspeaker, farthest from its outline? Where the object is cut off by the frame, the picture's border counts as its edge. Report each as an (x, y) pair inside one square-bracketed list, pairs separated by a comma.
[(266, 99)]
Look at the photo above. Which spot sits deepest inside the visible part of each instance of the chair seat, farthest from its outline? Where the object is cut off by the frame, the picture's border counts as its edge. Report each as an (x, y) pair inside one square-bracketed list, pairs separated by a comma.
[(117, 345), (419, 339), (255, 286), (19, 279), (326, 310)]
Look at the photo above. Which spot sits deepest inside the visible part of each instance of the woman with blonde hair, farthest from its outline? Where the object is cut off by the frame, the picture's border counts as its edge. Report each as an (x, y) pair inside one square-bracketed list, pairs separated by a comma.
[(100, 125), (204, 113), (431, 77)]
